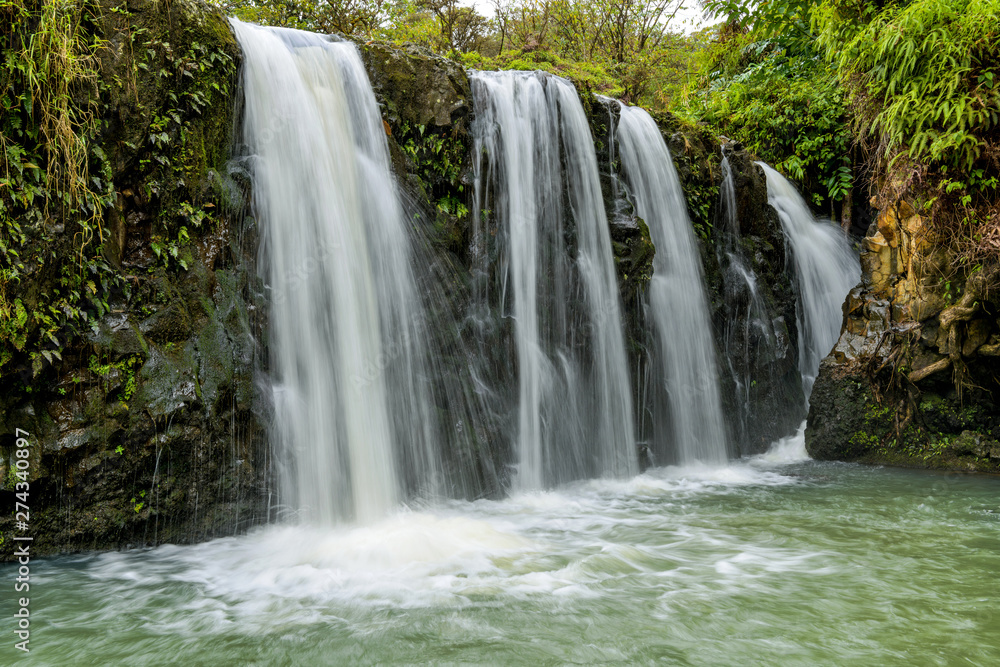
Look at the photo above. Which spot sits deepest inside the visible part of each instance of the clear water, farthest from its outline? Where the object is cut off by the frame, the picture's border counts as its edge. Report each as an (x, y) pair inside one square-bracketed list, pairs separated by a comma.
[(772, 561)]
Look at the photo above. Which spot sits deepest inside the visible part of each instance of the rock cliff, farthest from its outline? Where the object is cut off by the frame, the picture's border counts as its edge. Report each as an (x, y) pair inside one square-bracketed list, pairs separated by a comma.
[(147, 421), (913, 379)]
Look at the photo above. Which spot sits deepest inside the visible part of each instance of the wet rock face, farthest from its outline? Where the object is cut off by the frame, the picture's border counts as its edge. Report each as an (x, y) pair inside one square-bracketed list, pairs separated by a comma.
[(772, 406), (630, 241), (418, 87), (758, 352), (426, 104), (921, 340), (837, 425), (147, 431), (151, 429)]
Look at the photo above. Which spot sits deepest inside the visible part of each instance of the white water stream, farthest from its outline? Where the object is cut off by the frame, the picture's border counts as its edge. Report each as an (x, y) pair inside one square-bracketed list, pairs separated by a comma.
[(574, 398), (826, 269), (684, 364), (773, 560), (346, 327)]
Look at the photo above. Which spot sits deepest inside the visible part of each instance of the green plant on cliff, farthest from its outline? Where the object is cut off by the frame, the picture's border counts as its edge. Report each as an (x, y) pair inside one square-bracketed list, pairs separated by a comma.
[(125, 368), (175, 155), (437, 161), (924, 82), (782, 102), (61, 86), (55, 183), (921, 81)]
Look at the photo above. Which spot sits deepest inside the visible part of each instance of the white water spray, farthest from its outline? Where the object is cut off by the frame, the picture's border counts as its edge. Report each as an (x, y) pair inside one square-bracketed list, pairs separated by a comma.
[(346, 325), (685, 362), (826, 269), (574, 400)]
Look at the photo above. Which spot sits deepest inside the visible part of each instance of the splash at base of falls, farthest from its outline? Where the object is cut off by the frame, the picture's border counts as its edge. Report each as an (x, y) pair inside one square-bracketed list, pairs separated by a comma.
[(790, 449), (752, 562)]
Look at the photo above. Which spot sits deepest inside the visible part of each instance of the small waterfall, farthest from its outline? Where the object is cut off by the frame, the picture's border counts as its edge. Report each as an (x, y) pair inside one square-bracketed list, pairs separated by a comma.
[(826, 269), (536, 169), (687, 413), (749, 337), (353, 421)]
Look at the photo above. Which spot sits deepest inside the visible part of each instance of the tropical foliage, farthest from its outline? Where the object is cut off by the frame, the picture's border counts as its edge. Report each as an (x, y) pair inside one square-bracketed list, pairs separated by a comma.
[(924, 82), (786, 108), (918, 84), (625, 48)]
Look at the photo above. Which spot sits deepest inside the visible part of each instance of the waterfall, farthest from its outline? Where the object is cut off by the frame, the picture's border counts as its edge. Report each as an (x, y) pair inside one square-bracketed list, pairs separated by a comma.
[(766, 391), (537, 170), (826, 269), (687, 413), (346, 337), (749, 337)]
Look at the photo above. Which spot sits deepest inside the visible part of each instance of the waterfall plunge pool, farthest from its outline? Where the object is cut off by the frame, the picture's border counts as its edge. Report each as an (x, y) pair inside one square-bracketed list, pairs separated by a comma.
[(767, 561)]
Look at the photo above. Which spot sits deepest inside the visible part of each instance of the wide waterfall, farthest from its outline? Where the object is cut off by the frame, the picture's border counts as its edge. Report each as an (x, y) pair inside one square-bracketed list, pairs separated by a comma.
[(687, 414), (346, 327), (537, 170), (826, 269)]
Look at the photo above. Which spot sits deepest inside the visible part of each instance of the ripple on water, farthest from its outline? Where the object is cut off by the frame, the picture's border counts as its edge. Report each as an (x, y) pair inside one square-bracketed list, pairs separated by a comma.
[(778, 564)]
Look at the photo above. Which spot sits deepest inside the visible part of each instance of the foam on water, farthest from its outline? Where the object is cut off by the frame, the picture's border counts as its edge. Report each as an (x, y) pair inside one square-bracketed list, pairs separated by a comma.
[(790, 449), (691, 564), (432, 557)]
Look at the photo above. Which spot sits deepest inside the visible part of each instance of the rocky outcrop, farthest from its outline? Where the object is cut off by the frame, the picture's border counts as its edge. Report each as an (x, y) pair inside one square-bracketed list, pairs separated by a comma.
[(771, 404), (426, 104), (144, 428), (754, 311), (913, 379)]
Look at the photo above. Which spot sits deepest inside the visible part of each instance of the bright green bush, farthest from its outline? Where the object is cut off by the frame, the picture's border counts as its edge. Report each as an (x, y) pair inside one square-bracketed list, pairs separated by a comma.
[(786, 109), (925, 76)]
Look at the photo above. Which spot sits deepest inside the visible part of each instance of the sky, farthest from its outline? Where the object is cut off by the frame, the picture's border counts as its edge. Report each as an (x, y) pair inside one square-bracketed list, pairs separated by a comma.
[(688, 19)]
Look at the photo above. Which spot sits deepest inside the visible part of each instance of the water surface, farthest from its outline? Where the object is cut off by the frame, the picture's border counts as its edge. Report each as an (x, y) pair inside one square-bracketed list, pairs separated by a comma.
[(762, 562)]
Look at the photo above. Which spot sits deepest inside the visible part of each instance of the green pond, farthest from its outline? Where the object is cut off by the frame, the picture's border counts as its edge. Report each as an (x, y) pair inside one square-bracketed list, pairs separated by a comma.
[(764, 562)]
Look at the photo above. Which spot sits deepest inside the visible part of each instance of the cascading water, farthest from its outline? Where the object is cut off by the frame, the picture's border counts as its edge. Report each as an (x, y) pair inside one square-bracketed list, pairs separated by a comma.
[(687, 414), (556, 277), (766, 387), (826, 269), (352, 412), (749, 333)]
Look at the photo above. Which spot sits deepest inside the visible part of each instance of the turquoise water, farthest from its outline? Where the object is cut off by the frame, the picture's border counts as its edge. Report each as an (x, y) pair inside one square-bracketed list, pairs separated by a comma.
[(758, 563)]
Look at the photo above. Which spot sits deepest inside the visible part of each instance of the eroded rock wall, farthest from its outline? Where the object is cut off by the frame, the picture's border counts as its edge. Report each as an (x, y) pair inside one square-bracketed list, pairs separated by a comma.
[(913, 379)]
